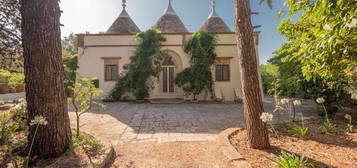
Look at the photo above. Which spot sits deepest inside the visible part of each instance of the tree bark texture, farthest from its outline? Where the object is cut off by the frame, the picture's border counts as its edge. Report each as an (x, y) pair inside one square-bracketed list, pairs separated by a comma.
[(253, 106), (41, 40)]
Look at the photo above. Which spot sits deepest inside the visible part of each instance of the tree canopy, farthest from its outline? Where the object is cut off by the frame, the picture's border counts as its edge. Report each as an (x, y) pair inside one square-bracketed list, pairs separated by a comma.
[(323, 39), (10, 36)]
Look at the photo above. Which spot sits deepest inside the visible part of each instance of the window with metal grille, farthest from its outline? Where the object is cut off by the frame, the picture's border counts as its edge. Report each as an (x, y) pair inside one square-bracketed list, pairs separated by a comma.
[(222, 73), (111, 72)]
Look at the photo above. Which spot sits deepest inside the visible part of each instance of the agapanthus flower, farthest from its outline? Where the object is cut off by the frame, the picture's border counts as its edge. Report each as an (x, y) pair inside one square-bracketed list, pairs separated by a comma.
[(284, 101), (297, 102), (38, 120), (265, 117), (320, 100), (348, 117)]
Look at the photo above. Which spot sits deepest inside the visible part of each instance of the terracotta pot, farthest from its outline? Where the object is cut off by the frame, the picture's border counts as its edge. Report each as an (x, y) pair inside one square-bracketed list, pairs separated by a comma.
[(4, 89)]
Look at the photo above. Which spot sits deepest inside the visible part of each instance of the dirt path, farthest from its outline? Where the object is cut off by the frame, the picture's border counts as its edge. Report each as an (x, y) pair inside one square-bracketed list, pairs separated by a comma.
[(205, 154)]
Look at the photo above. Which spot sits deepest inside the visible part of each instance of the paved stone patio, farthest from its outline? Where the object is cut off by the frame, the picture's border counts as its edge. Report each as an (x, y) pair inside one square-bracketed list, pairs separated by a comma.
[(122, 122), (127, 121)]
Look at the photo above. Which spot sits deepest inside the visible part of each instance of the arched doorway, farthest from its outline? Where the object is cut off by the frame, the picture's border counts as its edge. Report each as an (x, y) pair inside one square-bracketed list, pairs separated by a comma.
[(168, 75)]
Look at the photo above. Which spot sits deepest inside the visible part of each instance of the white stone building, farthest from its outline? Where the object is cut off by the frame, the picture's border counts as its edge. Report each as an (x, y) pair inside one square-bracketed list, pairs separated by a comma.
[(104, 55)]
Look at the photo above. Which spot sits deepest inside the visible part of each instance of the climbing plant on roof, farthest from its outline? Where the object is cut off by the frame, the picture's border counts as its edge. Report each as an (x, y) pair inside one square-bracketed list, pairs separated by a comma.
[(144, 64), (198, 77)]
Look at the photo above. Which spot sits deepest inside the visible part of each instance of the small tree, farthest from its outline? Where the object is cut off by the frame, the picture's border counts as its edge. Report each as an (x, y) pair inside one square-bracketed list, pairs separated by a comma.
[(198, 76), (84, 92)]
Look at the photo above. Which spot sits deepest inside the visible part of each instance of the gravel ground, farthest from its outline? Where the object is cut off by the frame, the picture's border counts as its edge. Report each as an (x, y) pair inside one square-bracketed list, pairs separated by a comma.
[(170, 155)]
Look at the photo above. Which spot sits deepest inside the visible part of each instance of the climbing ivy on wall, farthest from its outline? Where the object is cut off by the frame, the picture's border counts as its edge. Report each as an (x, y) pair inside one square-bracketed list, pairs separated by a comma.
[(198, 77), (144, 64)]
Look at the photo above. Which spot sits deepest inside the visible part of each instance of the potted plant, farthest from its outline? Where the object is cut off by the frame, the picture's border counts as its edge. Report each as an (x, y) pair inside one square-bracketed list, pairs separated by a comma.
[(4, 81)]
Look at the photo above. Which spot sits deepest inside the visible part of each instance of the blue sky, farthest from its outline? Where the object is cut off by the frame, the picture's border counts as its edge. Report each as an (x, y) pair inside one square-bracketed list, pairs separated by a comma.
[(96, 16)]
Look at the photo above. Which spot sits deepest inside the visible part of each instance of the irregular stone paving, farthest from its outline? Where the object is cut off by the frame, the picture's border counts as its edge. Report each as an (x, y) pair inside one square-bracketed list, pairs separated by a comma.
[(124, 122)]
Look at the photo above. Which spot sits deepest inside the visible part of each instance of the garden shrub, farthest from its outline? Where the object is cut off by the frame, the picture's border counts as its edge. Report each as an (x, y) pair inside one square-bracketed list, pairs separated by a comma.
[(16, 80), (198, 77), (4, 77), (288, 160), (87, 142), (269, 74), (70, 69), (144, 64)]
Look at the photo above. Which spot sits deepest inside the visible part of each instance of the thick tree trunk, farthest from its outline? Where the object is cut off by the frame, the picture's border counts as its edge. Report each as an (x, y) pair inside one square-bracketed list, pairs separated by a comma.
[(44, 76), (253, 106)]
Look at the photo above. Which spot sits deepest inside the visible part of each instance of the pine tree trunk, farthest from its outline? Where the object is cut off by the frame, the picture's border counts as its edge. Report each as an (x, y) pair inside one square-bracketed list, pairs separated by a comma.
[(44, 76), (253, 106)]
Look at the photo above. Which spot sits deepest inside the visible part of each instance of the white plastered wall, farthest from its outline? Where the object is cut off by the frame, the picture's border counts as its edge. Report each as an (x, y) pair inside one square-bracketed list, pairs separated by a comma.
[(97, 47)]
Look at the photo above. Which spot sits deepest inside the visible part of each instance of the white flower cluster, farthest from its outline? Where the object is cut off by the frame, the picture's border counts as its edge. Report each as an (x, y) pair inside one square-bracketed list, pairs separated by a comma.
[(348, 117), (266, 117), (38, 120), (297, 102), (284, 101), (320, 100)]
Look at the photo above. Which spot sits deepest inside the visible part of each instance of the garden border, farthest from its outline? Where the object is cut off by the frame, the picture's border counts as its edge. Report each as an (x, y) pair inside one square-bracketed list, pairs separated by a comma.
[(236, 159)]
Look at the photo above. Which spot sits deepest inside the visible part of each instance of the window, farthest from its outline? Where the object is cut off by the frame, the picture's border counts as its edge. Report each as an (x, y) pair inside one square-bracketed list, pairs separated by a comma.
[(222, 73), (111, 72)]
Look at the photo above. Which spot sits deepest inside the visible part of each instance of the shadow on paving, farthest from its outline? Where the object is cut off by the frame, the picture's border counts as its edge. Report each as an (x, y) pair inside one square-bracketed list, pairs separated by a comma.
[(175, 118)]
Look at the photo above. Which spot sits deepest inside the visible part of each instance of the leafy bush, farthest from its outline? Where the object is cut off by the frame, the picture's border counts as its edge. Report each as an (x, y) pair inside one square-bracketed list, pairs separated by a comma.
[(270, 74), (327, 126), (144, 64), (287, 160), (7, 130), (198, 76), (299, 131), (16, 79), (87, 142), (70, 69), (4, 77)]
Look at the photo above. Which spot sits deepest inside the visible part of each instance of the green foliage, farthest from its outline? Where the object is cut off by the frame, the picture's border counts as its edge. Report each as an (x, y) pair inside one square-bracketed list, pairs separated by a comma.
[(69, 44), (87, 142), (16, 79), (144, 64), (349, 128), (287, 160), (84, 93), (327, 126), (70, 69), (321, 46), (198, 76), (270, 74), (12, 122), (323, 38), (292, 82), (4, 77), (7, 130), (299, 131)]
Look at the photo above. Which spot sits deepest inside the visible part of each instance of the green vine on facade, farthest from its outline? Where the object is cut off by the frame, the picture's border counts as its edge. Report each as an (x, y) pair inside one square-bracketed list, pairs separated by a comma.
[(198, 77), (144, 64)]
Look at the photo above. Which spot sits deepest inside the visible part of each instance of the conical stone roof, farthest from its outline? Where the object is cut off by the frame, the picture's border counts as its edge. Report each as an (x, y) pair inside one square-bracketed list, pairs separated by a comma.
[(214, 23), (123, 24), (170, 22)]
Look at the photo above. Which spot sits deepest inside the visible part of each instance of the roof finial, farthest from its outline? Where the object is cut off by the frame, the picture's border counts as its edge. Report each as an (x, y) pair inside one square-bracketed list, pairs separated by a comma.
[(213, 12), (123, 12), (213, 4), (123, 4), (169, 9)]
